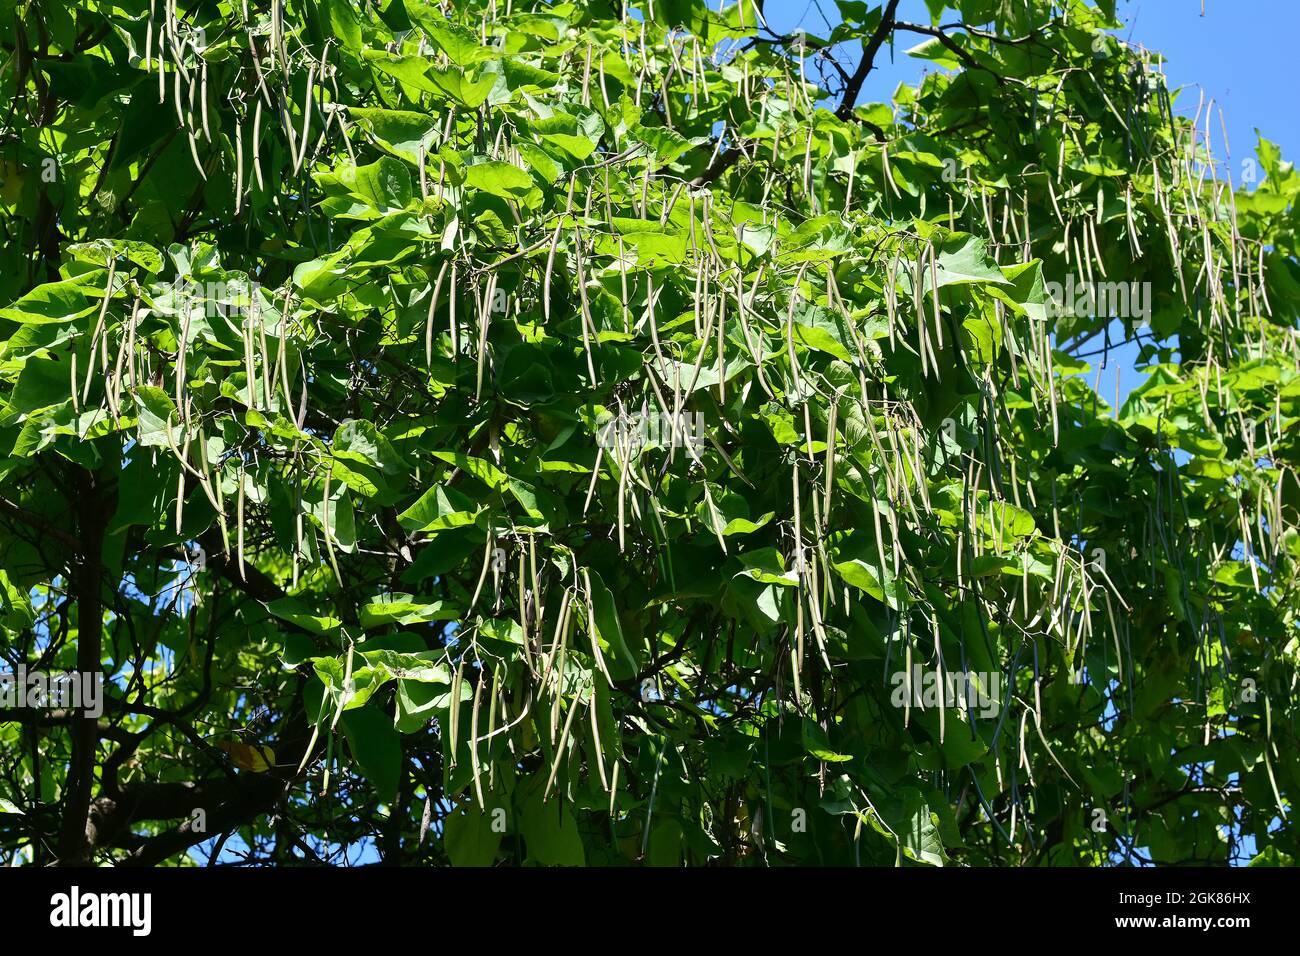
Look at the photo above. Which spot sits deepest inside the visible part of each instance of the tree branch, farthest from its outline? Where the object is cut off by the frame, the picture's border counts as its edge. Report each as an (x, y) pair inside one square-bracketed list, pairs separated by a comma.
[(40, 524), (869, 51), (93, 509), (950, 44)]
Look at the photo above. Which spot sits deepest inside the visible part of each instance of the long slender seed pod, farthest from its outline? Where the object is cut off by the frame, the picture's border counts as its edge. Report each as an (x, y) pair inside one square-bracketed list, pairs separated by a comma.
[(934, 294), (587, 334), (574, 706), (474, 737), (592, 630), (325, 523), (484, 320), (452, 322), (99, 331), (433, 306), (487, 560), (239, 166), (257, 146), (831, 435), (306, 121), (203, 97), (239, 519), (453, 717), (259, 325), (595, 738)]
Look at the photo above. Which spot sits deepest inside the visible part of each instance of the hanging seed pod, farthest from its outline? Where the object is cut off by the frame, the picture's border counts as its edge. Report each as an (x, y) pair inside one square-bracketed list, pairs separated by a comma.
[(162, 72), (807, 165), (325, 523), (452, 324), (194, 152), (918, 301), (625, 460), (591, 627), (587, 323), (891, 302), (550, 263), (99, 333), (710, 317), (934, 295), (250, 371), (586, 78), (487, 562), (180, 498), (239, 519), (751, 340), (239, 166), (986, 208), (286, 124), (203, 95), (148, 38), (475, 767), (595, 740), (281, 374), (257, 146), (433, 307), (1096, 248), (453, 716), (574, 706), (306, 121), (484, 319), (126, 347)]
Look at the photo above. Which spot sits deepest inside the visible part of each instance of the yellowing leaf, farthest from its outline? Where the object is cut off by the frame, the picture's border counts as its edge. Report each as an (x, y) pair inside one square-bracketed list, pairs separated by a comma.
[(251, 757)]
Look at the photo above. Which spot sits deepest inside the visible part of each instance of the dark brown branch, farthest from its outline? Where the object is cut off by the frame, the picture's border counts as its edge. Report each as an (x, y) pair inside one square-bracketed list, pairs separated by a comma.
[(869, 51), (40, 524), (36, 717), (94, 508), (724, 161), (950, 44), (228, 804)]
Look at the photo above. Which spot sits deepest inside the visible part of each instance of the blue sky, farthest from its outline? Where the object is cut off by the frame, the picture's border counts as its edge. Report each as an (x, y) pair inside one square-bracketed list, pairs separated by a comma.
[(1238, 53)]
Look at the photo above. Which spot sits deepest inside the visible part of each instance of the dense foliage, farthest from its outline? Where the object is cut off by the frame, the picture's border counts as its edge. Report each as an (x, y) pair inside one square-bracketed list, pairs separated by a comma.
[(545, 433)]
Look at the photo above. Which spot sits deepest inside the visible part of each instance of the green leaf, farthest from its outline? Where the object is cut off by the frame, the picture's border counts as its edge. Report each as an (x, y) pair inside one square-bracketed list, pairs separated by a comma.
[(470, 93), (438, 509), (411, 70), (549, 831), (621, 660), (301, 614), (463, 47), (403, 133), (869, 577), (400, 608), (157, 418), (376, 747), (499, 179), (470, 837), (53, 302), (385, 184), (964, 259), (768, 567)]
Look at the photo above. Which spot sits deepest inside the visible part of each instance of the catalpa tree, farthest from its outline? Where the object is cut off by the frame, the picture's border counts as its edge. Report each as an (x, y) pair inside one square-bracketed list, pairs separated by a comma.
[(559, 433)]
